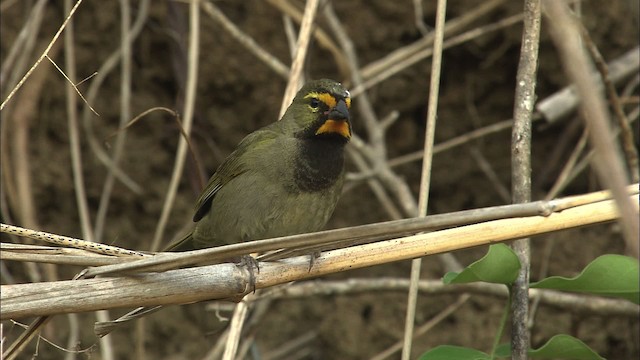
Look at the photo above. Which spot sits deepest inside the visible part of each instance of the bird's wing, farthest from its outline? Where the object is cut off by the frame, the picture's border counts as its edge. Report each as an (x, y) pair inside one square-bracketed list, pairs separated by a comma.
[(233, 166)]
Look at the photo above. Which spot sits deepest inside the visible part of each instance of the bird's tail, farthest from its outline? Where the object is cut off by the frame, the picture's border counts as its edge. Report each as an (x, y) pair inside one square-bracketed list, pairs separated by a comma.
[(105, 327), (182, 244)]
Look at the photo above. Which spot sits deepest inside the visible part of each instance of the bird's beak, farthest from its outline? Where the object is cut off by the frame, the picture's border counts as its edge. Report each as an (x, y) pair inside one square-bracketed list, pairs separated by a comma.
[(339, 112), (337, 121)]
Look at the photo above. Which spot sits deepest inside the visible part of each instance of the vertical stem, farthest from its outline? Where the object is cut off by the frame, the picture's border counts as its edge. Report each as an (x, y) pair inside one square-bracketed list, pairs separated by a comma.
[(521, 168), (74, 136), (125, 115), (304, 37), (425, 180), (503, 322), (607, 160)]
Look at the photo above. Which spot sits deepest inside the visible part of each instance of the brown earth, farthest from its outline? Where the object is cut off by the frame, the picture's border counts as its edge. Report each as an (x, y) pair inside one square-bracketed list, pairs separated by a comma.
[(237, 94)]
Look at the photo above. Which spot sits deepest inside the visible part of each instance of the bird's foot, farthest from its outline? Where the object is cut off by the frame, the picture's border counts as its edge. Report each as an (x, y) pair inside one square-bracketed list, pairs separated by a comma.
[(312, 258), (252, 266)]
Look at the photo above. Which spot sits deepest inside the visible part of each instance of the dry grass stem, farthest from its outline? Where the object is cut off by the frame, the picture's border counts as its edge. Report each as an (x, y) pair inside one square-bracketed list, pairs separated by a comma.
[(189, 108), (245, 40), (564, 102), (68, 241), (627, 142), (304, 38), (424, 328), (425, 176), (22, 48)]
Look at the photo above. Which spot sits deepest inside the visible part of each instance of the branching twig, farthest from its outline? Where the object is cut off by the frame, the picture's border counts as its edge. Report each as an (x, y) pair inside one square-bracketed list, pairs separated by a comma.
[(44, 54)]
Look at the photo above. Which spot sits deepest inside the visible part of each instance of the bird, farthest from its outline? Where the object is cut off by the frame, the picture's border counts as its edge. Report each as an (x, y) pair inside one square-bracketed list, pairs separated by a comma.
[(283, 179)]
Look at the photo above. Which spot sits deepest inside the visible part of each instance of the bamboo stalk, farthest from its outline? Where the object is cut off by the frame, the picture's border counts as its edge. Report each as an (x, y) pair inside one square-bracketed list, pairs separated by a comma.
[(227, 281)]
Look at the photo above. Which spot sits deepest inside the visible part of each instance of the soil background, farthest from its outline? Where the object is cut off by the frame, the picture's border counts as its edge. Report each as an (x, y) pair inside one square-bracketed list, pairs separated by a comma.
[(237, 94)]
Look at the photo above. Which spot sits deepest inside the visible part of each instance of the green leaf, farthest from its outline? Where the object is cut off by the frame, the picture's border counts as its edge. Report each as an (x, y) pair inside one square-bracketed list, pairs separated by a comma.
[(450, 352), (500, 266), (558, 347), (565, 347), (610, 275)]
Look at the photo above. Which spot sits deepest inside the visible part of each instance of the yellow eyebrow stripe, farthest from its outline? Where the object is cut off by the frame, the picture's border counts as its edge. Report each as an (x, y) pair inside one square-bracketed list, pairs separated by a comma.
[(326, 98)]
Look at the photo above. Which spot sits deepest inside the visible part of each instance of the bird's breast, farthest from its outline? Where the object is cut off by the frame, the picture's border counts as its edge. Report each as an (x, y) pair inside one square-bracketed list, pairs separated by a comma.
[(319, 165)]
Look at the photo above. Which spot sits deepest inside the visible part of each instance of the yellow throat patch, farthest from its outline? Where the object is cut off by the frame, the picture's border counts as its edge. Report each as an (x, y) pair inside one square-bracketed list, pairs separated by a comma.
[(335, 126)]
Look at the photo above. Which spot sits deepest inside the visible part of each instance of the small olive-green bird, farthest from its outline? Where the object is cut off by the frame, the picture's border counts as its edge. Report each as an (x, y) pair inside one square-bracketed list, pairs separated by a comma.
[(283, 179)]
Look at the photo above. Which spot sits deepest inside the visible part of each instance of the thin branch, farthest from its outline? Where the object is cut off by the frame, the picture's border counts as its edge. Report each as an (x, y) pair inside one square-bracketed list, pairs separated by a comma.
[(525, 96)]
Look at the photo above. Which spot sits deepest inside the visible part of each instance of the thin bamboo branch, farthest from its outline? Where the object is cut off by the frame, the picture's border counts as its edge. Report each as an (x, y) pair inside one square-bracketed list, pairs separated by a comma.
[(332, 239), (224, 281)]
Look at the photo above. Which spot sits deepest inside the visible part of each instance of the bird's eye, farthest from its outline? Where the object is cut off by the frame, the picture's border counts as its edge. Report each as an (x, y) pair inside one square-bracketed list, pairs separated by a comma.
[(314, 103)]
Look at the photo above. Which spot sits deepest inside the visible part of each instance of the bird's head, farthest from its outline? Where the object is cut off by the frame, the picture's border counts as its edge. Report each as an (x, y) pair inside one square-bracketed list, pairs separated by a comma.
[(321, 110)]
